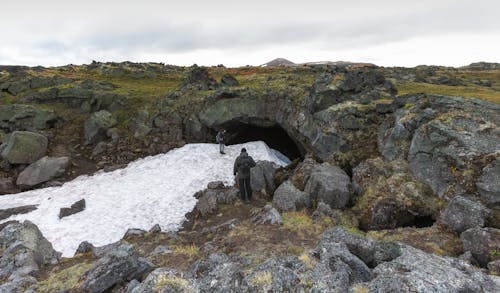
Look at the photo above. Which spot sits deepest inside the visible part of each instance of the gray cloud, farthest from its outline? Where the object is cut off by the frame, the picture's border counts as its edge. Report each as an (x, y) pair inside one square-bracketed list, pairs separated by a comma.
[(167, 28)]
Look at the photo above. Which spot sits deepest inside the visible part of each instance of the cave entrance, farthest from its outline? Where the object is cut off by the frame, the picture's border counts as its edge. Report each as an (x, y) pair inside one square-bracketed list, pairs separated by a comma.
[(274, 136)]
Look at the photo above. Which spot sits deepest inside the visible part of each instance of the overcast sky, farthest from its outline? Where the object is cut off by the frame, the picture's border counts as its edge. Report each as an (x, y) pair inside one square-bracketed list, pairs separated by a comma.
[(237, 33)]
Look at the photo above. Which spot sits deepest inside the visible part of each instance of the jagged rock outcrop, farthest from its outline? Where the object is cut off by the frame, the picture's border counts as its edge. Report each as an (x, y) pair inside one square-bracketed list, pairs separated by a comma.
[(446, 140), (42, 170), (329, 184), (24, 252), (24, 147)]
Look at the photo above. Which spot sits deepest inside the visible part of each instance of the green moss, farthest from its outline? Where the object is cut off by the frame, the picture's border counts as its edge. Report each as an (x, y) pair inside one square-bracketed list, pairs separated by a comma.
[(470, 90), (173, 282), (295, 250), (66, 279)]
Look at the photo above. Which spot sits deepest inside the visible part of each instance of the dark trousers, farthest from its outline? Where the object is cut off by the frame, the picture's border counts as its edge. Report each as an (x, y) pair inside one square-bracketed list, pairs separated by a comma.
[(245, 189)]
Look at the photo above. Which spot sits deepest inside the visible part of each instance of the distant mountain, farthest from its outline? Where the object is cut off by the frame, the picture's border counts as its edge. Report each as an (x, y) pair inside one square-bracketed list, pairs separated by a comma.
[(279, 62), (285, 62), (338, 63)]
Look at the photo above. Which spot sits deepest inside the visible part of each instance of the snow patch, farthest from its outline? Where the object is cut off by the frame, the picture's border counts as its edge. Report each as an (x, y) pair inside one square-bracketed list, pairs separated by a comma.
[(149, 191)]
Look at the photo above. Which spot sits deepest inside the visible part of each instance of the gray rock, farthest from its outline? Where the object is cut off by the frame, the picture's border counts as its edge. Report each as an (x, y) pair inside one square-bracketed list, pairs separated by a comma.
[(194, 130), (119, 265), (24, 250), (275, 275), (161, 250), (267, 215), (360, 246), (215, 185), (43, 170), (417, 271), (99, 149), (228, 80), (199, 79), (23, 147), (483, 243), (302, 173), (75, 208), (226, 226), (462, 214), (97, 125), (262, 177), (217, 273), (164, 280), (6, 185), (155, 229), (288, 198), (488, 184), (337, 268), (207, 203), (329, 184), (85, 247), (134, 232), (24, 117), (6, 213), (494, 267)]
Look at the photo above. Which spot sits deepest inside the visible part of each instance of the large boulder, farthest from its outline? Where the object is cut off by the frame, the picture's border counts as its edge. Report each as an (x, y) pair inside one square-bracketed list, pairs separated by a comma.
[(24, 117), (42, 170), (24, 251), (488, 184), (417, 271), (24, 147), (262, 177), (119, 265), (483, 243), (446, 140), (329, 184), (362, 247), (391, 196), (97, 125), (462, 214), (288, 198)]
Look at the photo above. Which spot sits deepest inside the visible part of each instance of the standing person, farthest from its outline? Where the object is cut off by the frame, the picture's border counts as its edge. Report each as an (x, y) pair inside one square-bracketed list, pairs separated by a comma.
[(242, 167), (220, 140)]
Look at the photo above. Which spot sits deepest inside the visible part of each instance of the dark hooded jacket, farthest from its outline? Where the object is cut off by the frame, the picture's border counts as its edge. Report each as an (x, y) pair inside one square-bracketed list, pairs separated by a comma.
[(241, 160)]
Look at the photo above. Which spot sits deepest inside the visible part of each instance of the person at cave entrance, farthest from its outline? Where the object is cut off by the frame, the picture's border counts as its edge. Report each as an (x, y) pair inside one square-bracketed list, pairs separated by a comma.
[(241, 170), (220, 140)]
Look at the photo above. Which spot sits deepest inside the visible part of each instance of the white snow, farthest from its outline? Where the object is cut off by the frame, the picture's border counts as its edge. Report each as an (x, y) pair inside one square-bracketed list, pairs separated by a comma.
[(157, 189)]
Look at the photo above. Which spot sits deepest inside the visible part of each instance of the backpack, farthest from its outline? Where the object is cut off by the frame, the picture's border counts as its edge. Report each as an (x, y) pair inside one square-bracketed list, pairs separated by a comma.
[(245, 166)]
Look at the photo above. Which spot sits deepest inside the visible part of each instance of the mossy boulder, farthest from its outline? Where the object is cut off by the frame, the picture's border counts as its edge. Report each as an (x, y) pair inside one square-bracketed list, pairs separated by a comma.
[(97, 125), (24, 147), (25, 117), (391, 196)]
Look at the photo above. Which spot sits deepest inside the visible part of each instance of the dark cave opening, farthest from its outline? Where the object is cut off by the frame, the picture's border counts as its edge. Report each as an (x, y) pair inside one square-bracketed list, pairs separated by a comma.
[(420, 222), (274, 136)]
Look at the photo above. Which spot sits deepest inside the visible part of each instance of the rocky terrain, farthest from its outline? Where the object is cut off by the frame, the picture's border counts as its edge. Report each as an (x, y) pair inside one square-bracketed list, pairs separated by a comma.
[(394, 184)]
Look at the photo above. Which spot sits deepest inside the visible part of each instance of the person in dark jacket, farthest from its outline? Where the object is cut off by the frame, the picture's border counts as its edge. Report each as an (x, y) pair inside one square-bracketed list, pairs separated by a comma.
[(220, 140), (242, 166)]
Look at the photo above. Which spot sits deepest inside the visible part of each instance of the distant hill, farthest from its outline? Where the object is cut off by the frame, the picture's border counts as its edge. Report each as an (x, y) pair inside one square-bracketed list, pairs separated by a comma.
[(482, 66), (279, 62)]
